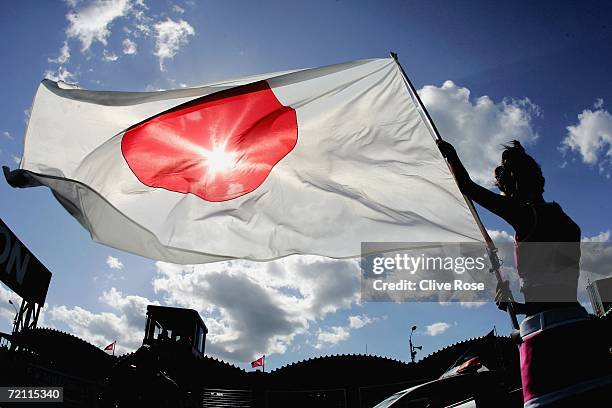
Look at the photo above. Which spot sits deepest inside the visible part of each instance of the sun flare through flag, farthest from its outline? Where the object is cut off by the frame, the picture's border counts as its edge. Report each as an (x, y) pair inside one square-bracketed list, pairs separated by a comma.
[(180, 151), (312, 161)]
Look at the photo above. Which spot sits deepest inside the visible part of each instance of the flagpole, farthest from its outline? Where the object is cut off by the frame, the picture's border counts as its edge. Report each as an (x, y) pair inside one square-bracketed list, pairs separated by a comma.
[(114, 346), (264, 363), (491, 248)]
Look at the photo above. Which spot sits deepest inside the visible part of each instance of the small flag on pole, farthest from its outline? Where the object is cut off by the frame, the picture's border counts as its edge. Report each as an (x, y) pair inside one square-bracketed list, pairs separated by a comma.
[(111, 347), (260, 362)]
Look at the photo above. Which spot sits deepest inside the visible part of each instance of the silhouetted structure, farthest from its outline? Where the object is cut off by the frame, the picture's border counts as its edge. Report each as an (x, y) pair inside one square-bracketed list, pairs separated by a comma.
[(155, 375), (600, 294)]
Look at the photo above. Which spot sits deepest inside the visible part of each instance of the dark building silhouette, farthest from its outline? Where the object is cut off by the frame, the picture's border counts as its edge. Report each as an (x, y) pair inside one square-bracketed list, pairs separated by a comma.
[(49, 357)]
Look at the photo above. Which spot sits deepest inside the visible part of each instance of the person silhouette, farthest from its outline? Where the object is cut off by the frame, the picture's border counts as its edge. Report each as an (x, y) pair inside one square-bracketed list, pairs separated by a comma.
[(547, 240), (547, 256)]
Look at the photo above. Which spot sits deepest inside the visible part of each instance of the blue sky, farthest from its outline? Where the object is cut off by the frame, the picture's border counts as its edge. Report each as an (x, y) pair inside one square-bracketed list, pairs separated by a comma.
[(488, 72)]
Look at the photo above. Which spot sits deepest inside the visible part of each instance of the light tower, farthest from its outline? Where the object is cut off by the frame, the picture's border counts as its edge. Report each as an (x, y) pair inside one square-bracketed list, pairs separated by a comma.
[(413, 348)]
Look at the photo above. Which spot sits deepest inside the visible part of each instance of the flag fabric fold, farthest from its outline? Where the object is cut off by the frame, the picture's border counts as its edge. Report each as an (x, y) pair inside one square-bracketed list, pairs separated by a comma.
[(313, 161)]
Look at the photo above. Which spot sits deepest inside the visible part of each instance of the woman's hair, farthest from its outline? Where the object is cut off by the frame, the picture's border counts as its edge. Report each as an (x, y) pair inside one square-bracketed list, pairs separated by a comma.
[(519, 174)]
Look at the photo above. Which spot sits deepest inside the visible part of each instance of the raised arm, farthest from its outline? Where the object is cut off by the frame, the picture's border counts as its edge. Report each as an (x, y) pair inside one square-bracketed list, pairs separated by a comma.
[(515, 213)]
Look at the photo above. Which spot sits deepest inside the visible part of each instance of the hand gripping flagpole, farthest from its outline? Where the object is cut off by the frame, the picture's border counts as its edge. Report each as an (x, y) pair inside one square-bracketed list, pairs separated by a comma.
[(491, 248)]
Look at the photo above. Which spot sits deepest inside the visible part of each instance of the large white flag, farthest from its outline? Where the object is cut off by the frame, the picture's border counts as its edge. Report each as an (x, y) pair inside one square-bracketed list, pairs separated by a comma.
[(313, 161)]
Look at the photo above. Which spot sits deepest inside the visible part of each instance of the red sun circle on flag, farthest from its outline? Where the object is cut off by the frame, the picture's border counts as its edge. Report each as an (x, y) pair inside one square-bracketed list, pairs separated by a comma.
[(218, 147)]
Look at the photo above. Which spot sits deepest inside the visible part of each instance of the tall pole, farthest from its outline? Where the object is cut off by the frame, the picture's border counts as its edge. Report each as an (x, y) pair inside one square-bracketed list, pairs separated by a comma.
[(263, 367), (491, 248), (413, 348), (412, 353), (16, 312)]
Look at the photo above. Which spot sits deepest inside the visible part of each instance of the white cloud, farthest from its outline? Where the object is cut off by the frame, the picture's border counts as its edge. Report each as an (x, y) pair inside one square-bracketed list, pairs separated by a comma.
[(91, 23), (331, 336), (109, 56), (178, 9), (472, 305), (7, 135), (140, 14), (114, 263), (7, 312), (591, 137), (478, 127), (438, 328), (64, 55), (603, 236), (98, 329), (103, 328), (129, 47), (133, 308), (250, 308), (337, 334), (142, 30), (596, 257), (170, 35), (255, 308), (466, 305), (500, 236), (359, 321), (62, 74)]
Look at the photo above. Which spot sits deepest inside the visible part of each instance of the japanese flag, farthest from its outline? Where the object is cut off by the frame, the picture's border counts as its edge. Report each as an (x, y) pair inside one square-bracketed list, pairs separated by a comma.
[(313, 161)]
